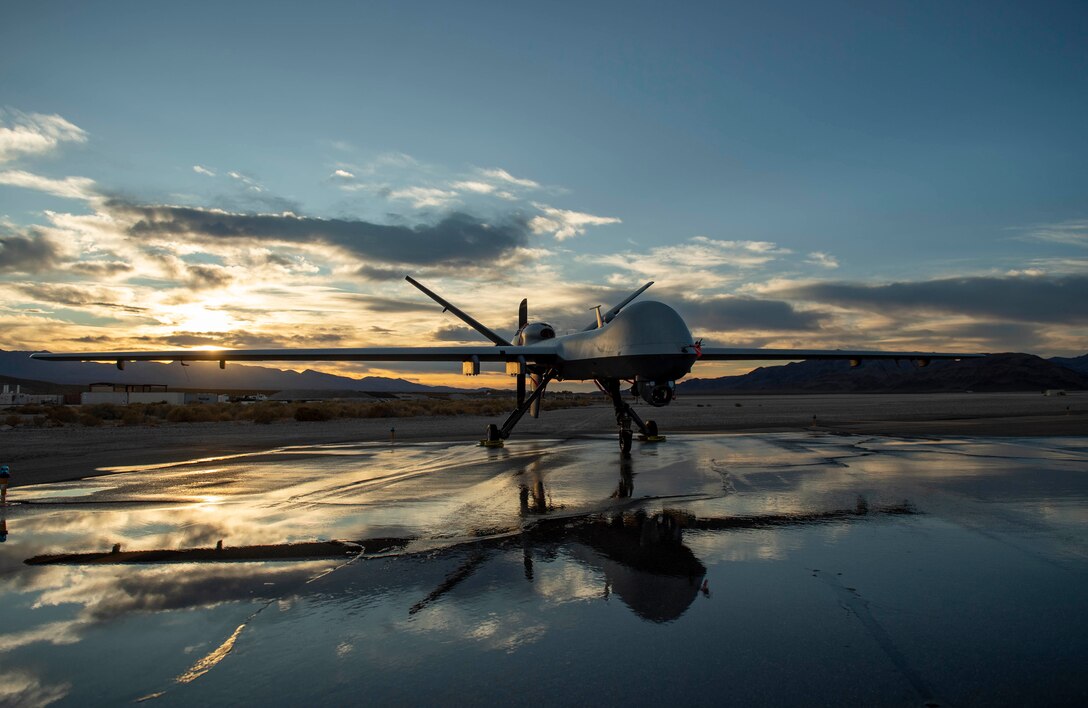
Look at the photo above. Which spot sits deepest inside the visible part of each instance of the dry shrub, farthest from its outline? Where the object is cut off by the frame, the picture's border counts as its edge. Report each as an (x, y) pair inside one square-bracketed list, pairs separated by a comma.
[(191, 413), (310, 413), (268, 412), (132, 416), (62, 414), (89, 420), (105, 411), (156, 410)]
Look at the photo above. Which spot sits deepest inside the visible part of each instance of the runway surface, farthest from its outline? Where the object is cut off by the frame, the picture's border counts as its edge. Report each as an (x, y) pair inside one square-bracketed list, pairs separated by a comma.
[(766, 569)]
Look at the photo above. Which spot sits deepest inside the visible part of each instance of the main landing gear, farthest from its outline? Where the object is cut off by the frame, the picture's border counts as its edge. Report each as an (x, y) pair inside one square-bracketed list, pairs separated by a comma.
[(625, 415)]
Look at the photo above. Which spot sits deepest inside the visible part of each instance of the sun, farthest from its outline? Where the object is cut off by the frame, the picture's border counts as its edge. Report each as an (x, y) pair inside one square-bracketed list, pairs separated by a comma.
[(198, 317)]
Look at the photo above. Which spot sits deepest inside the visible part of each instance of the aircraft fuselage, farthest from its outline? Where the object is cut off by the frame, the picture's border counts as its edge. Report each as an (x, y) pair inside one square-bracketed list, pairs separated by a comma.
[(646, 341)]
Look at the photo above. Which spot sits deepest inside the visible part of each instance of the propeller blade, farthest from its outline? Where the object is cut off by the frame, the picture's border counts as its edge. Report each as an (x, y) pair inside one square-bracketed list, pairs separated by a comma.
[(523, 313)]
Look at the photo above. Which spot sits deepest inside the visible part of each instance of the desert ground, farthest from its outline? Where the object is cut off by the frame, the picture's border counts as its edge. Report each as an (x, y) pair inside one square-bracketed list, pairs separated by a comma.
[(41, 455)]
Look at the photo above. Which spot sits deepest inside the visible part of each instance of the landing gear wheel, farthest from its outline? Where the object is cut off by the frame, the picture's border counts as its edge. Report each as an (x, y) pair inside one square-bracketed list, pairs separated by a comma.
[(625, 441), (651, 435), (492, 437)]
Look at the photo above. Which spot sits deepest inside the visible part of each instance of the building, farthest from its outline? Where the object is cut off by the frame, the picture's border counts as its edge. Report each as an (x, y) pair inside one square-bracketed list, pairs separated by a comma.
[(124, 394), (18, 398)]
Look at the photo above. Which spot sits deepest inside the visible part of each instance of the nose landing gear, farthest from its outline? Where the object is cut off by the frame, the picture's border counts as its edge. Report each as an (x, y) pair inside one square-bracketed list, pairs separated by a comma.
[(625, 415)]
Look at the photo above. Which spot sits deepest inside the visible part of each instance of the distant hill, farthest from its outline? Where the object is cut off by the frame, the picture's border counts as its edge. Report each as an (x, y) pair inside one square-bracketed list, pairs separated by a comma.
[(198, 375), (996, 372), (1076, 363)]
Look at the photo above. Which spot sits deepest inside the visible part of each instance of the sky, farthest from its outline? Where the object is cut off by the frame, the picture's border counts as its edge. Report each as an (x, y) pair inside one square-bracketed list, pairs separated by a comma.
[(790, 174)]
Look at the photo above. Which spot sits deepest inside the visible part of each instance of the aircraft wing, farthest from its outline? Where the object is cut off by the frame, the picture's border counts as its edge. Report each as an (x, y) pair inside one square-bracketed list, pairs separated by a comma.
[(723, 354), (534, 354)]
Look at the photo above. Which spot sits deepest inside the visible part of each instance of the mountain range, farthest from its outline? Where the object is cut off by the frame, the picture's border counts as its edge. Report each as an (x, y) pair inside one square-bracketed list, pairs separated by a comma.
[(994, 372), (18, 367)]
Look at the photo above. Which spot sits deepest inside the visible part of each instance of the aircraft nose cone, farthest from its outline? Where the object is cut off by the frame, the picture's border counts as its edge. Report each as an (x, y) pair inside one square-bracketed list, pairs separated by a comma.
[(652, 322)]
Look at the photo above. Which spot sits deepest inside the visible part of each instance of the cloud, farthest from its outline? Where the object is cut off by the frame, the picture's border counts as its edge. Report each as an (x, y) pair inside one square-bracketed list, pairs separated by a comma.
[(208, 276), (76, 296), (392, 159), (248, 181), (19, 687), (68, 188), (457, 238), (381, 165), (34, 134), (564, 224), (400, 177), (100, 269), (201, 170), (1072, 233), (422, 197), (379, 274), (724, 314), (474, 186), (391, 305), (1011, 298), (824, 260), (990, 331), (502, 175), (457, 334), (27, 254), (698, 263)]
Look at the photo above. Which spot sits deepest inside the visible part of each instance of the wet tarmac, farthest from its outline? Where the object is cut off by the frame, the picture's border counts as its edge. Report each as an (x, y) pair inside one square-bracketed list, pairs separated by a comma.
[(770, 569)]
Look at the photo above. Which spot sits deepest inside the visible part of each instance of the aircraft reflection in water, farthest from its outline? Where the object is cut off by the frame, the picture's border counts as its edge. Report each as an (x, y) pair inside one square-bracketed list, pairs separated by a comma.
[(562, 565), (640, 556)]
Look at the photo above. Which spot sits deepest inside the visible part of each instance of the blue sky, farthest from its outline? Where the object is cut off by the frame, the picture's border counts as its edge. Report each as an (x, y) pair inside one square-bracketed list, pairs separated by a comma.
[(791, 174)]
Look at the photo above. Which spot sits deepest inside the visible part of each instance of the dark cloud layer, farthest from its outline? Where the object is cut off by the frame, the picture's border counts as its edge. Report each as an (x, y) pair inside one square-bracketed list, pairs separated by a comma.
[(457, 238), (386, 304), (457, 334), (74, 296), (1016, 298), (26, 254), (379, 274), (202, 277), (732, 314), (100, 269)]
